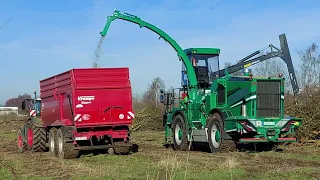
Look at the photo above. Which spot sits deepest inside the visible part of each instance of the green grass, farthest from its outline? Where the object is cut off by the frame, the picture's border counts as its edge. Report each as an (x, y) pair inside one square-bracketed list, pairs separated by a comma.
[(153, 161), (5, 173), (8, 135)]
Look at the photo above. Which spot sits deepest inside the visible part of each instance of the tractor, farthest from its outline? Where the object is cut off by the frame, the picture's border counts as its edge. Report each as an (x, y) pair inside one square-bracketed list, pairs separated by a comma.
[(26, 138)]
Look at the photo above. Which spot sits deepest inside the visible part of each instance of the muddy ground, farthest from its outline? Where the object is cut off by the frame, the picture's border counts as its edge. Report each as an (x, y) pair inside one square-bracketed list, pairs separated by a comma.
[(153, 161)]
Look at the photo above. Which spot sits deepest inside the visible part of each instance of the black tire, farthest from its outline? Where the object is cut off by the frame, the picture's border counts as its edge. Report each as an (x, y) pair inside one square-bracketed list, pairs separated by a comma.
[(65, 149), (215, 141), (21, 143), (36, 138), (53, 141), (180, 134), (121, 150)]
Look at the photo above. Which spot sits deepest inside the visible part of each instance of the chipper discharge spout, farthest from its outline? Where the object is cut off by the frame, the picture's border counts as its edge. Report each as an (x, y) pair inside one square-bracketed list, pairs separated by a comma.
[(137, 20)]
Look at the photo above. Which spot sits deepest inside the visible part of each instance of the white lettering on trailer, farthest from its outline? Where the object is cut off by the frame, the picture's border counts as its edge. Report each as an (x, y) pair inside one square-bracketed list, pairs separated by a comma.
[(85, 98), (79, 106), (84, 102)]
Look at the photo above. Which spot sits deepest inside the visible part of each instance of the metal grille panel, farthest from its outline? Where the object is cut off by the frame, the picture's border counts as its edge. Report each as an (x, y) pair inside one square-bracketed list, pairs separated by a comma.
[(268, 98)]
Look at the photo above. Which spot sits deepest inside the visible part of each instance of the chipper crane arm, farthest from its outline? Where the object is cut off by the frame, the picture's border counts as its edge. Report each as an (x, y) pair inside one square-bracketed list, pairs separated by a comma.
[(135, 19), (283, 53)]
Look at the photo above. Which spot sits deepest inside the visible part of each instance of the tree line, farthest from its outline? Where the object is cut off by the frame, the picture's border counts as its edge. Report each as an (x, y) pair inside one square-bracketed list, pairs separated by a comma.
[(17, 101)]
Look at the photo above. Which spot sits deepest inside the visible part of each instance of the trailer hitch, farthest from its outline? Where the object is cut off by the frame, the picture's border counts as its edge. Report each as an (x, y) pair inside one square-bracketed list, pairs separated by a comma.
[(102, 146)]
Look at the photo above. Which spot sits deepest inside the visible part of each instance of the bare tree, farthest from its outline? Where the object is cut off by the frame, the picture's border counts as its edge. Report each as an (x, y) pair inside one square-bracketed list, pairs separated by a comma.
[(149, 117), (272, 68), (170, 89), (310, 66), (152, 94), (137, 101), (228, 64), (16, 102), (307, 106)]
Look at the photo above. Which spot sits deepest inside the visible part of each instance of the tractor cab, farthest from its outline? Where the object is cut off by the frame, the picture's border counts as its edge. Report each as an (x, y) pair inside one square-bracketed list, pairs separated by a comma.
[(205, 61), (32, 105)]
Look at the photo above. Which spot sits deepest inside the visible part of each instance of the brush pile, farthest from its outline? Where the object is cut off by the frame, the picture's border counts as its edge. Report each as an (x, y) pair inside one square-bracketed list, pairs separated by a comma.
[(306, 106)]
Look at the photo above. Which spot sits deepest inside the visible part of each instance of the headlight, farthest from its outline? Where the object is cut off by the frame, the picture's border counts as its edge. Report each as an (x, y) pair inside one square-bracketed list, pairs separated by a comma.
[(259, 123)]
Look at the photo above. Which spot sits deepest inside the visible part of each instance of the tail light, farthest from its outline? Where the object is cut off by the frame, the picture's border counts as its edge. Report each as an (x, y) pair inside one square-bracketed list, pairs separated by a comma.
[(184, 95)]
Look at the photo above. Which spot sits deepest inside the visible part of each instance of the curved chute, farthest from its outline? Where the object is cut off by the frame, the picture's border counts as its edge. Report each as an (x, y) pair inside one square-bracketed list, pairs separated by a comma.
[(135, 19)]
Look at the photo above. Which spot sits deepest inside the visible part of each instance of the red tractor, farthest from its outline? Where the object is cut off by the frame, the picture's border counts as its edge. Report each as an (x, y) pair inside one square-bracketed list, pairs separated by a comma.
[(80, 109)]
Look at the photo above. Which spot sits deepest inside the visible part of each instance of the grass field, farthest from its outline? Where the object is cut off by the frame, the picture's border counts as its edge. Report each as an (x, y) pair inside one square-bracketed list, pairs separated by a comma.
[(153, 161)]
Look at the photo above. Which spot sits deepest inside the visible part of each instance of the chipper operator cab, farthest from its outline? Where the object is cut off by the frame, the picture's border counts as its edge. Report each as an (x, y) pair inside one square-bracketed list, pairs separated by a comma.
[(205, 61)]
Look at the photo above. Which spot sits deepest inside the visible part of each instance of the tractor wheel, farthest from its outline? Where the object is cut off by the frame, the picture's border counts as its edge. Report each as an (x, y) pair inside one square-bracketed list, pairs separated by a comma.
[(36, 138), (22, 145), (215, 129), (180, 137), (65, 149), (53, 147)]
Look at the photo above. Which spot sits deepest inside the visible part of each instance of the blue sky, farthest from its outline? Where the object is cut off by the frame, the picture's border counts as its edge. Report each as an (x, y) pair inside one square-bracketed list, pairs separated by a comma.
[(44, 38)]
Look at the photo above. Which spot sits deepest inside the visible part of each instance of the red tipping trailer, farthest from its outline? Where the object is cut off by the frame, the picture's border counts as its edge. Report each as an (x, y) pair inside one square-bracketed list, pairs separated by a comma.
[(83, 109)]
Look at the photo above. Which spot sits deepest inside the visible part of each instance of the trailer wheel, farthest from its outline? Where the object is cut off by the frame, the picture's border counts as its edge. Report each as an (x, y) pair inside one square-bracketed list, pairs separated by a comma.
[(180, 138), (215, 129), (36, 138), (53, 141), (65, 149), (22, 145), (111, 151), (121, 150)]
